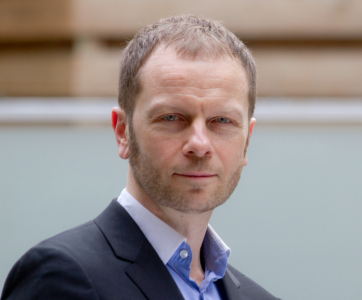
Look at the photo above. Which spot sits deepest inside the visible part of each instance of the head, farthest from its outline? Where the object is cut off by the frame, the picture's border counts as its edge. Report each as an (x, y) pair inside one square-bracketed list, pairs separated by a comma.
[(187, 95)]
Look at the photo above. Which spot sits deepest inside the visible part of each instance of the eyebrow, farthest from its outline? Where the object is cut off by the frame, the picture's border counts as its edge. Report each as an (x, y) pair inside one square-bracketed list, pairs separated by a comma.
[(232, 111), (164, 106)]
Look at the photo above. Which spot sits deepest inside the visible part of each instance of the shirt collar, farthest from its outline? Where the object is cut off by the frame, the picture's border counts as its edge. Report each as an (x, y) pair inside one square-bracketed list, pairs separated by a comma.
[(164, 239)]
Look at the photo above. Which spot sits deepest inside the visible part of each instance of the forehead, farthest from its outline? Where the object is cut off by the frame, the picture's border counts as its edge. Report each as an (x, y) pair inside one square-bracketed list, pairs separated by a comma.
[(165, 59), (166, 73)]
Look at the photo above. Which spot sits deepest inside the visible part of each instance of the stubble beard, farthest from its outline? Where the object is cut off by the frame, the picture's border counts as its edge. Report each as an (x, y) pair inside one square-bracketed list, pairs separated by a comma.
[(160, 190)]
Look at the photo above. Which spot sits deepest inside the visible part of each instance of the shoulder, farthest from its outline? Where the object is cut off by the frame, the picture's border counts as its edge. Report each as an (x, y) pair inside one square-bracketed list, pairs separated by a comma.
[(47, 273), (66, 238), (248, 287), (52, 269)]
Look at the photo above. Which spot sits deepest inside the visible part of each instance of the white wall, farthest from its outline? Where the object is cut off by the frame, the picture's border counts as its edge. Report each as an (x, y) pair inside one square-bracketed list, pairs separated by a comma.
[(294, 222)]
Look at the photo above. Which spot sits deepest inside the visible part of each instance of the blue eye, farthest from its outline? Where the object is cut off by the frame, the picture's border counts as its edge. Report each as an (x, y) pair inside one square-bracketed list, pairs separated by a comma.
[(171, 118), (223, 120)]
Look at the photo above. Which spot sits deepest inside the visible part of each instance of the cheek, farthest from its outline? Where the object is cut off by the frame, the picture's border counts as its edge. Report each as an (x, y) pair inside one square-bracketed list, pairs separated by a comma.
[(161, 149), (231, 154), (153, 143)]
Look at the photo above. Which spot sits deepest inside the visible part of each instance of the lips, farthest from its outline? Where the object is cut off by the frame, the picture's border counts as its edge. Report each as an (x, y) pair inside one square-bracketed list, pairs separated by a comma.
[(196, 175)]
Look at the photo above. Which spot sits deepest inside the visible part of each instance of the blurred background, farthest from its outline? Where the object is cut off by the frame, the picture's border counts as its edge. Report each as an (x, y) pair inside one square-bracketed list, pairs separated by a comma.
[(294, 222)]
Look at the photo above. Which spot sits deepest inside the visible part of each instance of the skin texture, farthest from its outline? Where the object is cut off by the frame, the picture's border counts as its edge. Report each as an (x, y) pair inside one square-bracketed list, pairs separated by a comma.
[(187, 141)]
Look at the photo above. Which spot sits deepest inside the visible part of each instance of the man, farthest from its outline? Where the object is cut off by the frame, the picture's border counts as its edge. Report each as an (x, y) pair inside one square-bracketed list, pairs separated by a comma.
[(187, 96)]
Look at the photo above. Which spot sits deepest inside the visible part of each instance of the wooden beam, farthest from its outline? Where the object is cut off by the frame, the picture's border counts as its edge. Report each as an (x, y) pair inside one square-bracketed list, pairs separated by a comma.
[(307, 72), (35, 72), (256, 19), (91, 69), (23, 20), (119, 19)]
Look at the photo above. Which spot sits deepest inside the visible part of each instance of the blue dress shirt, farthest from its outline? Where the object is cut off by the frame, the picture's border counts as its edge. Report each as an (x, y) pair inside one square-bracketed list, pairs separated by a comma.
[(176, 254)]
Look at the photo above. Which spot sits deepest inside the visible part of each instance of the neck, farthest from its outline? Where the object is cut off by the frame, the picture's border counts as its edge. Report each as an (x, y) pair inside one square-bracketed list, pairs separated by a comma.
[(192, 226)]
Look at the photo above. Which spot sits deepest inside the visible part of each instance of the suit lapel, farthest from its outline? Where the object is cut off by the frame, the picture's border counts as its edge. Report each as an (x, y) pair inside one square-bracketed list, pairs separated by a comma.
[(229, 287), (122, 233), (129, 243), (152, 277)]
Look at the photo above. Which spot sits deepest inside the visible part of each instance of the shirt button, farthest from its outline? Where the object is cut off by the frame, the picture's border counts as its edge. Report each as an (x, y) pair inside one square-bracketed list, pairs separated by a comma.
[(184, 253)]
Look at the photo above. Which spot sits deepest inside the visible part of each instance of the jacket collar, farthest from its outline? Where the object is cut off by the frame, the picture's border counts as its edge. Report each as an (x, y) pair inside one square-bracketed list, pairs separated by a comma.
[(122, 233)]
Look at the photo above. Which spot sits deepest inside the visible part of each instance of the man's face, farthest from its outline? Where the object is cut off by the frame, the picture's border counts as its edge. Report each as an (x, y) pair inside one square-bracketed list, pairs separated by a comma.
[(189, 132)]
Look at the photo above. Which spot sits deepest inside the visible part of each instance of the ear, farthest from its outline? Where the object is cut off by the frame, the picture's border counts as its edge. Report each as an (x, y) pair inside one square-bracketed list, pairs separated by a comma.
[(119, 124), (251, 128)]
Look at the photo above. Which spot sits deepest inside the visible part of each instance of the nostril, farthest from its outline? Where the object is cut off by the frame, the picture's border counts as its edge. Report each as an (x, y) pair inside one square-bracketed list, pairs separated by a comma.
[(198, 143)]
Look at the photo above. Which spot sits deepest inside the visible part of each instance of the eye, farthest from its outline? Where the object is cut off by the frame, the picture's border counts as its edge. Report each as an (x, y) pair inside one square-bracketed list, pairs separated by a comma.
[(171, 118), (223, 120)]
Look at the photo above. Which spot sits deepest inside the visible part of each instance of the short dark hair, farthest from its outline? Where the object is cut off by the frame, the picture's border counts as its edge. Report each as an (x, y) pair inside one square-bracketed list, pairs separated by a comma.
[(193, 37)]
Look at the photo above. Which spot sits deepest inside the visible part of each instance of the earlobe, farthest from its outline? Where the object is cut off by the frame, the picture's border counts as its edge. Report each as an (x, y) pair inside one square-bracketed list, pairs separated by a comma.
[(251, 128), (119, 124)]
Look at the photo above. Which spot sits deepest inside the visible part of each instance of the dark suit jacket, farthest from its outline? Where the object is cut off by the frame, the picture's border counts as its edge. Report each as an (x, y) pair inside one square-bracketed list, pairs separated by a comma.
[(108, 258)]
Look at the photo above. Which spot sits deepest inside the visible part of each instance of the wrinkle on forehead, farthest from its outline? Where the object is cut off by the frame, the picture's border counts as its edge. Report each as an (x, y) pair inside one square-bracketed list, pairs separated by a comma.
[(195, 93)]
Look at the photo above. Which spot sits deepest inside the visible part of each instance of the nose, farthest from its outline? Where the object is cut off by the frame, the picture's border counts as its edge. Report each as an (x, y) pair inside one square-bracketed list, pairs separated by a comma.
[(198, 142)]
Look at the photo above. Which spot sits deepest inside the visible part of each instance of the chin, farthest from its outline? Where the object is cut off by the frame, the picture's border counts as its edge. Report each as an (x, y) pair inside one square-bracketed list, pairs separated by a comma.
[(195, 202)]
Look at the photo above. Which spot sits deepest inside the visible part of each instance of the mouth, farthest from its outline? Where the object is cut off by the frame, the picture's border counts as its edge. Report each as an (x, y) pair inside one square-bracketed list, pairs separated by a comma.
[(196, 175)]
